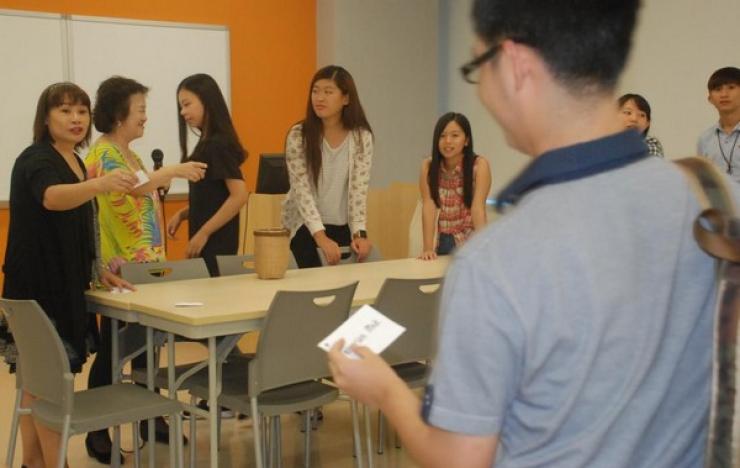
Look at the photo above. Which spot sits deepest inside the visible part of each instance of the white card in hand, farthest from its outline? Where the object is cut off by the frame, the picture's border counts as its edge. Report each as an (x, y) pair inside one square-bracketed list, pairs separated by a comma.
[(366, 327), (143, 178)]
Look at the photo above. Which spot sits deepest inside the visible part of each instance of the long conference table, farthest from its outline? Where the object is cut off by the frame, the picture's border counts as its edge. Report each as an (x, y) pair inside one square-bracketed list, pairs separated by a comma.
[(233, 305)]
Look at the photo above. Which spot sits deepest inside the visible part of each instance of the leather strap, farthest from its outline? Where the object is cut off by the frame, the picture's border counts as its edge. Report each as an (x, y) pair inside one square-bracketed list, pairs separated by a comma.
[(716, 230)]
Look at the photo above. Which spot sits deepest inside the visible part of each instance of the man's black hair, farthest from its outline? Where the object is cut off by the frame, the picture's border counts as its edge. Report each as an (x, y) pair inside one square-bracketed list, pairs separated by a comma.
[(723, 76), (585, 43)]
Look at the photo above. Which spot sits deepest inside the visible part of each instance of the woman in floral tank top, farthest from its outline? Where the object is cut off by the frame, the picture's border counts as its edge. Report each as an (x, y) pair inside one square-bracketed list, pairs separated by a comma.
[(129, 223), (454, 184)]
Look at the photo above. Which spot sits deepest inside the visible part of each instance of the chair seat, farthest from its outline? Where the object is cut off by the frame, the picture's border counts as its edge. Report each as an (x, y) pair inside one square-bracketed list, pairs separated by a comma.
[(103, 407), (160, 376), (291, 398), (200, 377), (413, 373)]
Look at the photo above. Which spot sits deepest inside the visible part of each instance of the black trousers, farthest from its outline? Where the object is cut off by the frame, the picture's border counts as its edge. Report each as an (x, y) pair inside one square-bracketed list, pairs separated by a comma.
[(304, 246)]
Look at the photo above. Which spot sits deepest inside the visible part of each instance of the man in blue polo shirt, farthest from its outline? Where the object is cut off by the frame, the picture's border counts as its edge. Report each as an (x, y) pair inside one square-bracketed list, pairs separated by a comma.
[(576, 330)]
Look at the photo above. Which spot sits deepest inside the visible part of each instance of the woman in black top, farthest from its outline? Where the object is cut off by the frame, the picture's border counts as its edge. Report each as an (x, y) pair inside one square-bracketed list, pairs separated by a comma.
[(215, 201), (50, 256)]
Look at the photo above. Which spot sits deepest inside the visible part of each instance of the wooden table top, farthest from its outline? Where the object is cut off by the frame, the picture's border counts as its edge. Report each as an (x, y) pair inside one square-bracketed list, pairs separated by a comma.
[(246, 297)]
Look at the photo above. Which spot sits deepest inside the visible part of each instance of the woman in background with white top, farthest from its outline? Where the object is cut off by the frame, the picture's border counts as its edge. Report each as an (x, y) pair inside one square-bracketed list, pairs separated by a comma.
[(329, 155)]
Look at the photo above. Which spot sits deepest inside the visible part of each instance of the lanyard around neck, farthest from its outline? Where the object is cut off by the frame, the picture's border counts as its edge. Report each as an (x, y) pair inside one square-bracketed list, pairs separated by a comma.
[(732, 151)]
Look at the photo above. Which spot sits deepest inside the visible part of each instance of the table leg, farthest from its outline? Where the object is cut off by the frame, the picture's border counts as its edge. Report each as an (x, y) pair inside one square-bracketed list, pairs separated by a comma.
[(150, 386), (214, 390), (115, 378), (173, 395)]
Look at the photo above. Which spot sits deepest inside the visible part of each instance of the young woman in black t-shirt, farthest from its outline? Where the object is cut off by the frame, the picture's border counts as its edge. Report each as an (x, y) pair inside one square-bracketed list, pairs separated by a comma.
[(215, 200)]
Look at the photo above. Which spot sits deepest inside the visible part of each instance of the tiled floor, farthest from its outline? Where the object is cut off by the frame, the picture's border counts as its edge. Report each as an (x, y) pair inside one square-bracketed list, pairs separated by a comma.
[(331, 443)]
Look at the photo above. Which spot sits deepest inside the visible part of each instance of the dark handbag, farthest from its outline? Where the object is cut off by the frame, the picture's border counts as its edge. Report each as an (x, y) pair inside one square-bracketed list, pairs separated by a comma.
[(717, 231)]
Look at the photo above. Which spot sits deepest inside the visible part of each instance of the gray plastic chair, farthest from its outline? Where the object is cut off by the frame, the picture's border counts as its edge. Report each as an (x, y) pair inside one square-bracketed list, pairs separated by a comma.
[(132, 338), (46, 375), (135, 342), (413, 303), (229, 265), (284, 376)]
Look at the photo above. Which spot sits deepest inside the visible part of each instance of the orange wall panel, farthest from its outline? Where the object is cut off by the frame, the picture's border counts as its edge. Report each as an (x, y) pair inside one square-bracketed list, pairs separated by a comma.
[(273, 56)]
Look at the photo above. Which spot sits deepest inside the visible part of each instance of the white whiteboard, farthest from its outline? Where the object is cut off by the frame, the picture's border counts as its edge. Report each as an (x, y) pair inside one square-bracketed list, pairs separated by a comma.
[(158, 55), (39, 49), (32, 57)]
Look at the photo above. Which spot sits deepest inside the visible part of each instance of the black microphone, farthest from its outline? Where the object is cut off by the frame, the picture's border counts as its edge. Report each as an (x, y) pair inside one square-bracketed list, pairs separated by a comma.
[(157, 158)]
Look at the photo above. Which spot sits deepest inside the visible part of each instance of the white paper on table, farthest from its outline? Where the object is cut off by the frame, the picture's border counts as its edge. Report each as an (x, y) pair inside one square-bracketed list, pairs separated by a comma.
[(143, 178), (366, 327)]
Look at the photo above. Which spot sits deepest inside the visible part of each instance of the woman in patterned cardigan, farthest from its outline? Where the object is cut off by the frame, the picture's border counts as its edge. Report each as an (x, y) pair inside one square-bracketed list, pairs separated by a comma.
[(329, 155)]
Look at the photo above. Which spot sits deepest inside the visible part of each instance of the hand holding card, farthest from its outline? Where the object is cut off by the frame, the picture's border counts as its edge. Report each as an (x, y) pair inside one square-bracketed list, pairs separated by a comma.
[(366, 327)]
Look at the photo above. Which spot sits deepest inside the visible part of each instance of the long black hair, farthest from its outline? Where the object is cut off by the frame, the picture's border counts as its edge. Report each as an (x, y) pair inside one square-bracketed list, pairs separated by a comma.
[(468, 161), (216, 118), (641, 104), (353, 117)]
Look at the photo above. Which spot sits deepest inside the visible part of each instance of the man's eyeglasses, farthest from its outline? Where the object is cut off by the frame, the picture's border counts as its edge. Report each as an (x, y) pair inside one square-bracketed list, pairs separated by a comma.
[(470, 69)]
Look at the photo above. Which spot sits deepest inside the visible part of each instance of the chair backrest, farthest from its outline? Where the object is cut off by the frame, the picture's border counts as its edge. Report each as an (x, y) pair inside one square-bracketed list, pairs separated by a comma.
[(242, 264), (45, 371), (159, 272), (235, 264), (412, 303), (288, 352)]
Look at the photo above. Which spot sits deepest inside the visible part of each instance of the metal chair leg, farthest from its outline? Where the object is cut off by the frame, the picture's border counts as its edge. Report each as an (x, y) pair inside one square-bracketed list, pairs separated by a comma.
[(64, 441), (275, 441), (15, 422), (135, 439), (381, 433), (307, 440), (368, 436), (357, 444), (278, 442), (266, 441), (193, 428), (256, 421), (315, 419)]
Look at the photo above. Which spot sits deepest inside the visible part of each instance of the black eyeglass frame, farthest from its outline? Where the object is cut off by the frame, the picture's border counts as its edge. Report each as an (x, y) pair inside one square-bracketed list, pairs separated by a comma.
[(467, 69)]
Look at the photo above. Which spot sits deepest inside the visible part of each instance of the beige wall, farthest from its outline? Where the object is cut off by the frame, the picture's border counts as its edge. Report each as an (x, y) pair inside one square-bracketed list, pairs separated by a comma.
[(678, 43), (390, 47)]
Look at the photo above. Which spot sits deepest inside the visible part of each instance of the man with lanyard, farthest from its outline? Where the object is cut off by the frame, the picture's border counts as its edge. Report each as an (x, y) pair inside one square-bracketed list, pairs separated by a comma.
[(577, 329), (721, 142)]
